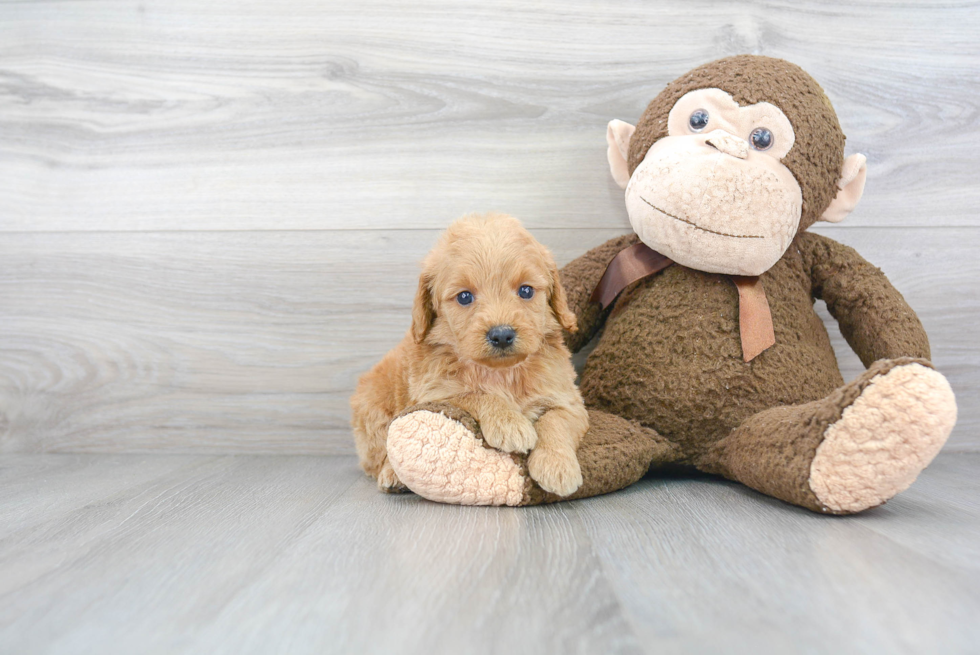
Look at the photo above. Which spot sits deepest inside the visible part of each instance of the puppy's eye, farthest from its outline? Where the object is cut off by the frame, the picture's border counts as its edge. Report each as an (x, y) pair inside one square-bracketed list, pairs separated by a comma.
[(464, 298), (526, 292)]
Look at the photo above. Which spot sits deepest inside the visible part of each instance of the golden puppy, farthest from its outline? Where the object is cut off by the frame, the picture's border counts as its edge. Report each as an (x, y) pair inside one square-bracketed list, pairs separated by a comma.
[(486, 336)]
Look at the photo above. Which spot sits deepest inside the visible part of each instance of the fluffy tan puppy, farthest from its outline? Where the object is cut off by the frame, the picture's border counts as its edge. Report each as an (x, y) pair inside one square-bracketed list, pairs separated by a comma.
[(486, 336)]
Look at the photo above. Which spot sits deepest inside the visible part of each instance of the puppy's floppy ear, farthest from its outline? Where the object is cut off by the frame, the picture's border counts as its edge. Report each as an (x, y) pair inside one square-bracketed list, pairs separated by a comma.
[(423, 312), (558, 302)]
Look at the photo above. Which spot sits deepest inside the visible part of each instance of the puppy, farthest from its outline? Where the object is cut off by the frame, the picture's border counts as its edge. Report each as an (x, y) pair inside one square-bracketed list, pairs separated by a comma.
[(486, 336)]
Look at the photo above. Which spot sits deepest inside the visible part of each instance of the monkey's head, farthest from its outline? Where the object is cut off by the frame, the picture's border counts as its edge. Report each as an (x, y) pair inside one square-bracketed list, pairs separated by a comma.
[(730, 161)]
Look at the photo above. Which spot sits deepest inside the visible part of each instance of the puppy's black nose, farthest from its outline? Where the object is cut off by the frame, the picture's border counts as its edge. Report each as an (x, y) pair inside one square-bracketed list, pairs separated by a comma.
[(501, 336)]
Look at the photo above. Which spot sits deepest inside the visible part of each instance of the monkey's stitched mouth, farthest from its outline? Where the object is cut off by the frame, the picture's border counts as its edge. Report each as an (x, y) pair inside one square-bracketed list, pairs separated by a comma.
[(703, 229)]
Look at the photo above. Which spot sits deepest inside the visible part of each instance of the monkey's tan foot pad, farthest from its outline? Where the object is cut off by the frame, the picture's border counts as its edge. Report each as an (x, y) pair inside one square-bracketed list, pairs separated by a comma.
[(441, 459), (883, 439)]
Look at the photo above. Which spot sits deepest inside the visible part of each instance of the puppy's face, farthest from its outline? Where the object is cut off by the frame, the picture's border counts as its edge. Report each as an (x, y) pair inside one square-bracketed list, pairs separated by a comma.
[(490, 291)]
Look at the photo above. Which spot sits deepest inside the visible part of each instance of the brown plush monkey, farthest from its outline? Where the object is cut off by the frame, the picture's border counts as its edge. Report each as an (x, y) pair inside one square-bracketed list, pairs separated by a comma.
[(711, 354)]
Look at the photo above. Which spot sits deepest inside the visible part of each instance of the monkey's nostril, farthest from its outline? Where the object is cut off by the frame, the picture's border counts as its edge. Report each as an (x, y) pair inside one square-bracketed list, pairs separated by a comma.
[(501, 336)]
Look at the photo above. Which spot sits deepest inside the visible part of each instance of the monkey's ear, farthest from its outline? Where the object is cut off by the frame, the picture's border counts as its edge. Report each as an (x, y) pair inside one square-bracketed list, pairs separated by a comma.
[(618, 136), (559, 303), (851, 187), (423, 312)]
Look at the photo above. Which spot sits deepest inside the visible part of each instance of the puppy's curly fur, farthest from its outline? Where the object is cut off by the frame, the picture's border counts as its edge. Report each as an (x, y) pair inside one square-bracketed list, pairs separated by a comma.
[(523, 395)]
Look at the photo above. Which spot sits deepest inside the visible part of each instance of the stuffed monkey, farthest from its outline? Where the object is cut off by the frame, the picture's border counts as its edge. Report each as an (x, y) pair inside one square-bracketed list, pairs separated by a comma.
[(711, 355)]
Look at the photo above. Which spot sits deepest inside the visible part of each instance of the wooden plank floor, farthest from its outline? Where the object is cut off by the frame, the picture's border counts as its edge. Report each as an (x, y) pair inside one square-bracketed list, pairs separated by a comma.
[(300, 554)]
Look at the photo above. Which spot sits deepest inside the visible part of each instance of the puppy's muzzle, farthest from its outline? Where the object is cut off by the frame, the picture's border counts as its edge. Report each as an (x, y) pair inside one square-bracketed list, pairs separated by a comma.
[(501, 337)]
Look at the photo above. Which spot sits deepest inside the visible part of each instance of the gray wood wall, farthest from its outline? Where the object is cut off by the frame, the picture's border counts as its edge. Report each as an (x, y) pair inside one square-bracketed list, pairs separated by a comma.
[(211, 212)]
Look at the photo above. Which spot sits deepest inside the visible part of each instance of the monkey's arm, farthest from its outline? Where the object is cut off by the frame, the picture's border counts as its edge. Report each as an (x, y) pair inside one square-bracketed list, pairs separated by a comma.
[(873, 316), (579, 278)]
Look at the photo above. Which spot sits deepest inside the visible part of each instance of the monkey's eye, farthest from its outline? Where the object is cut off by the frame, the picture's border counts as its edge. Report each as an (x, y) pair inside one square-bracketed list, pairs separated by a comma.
[(464, 298), (698, 120), (761, 138), (526, 292)]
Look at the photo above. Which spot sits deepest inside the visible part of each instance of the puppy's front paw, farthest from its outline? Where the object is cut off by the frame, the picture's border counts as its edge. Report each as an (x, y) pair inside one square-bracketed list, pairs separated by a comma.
[(509, 431), (388, 482), (556, 471)]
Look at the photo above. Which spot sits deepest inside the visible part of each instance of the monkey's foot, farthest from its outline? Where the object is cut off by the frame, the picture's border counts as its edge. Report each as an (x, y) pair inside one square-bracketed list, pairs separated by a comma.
[(883, 439), (441, 459)]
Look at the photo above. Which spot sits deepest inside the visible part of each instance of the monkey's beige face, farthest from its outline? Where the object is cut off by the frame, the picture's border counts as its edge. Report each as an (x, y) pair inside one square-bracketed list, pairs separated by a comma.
[(491, 292), (713, 195)]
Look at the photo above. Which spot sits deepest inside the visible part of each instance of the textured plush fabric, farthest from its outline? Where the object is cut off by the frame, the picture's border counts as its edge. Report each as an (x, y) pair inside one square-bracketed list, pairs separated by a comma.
[(437, 450), (614, 453), (670, 356), (667, 384), (873, 316), (669, 359), (818, 153), (711, 210), (883, 439), (579, 278), (773, 450)]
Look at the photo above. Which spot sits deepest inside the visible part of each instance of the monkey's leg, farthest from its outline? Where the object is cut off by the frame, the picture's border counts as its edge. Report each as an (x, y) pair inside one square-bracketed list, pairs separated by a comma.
[(437, 451), (848, 452)]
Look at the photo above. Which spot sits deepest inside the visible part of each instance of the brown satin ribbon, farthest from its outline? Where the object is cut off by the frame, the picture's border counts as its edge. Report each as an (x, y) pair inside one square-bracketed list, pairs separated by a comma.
[(631, 264), (754, 318), (639, 261)]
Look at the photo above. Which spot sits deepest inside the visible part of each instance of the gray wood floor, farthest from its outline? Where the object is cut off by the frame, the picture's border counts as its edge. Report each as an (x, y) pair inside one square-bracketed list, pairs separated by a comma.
[(300, 554)]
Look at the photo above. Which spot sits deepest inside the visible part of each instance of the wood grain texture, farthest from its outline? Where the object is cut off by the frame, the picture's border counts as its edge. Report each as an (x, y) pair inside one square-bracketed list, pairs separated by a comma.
[(253, 341), (240, 554), (710, 563), (130, 115), (210, 213), (210, 218)]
